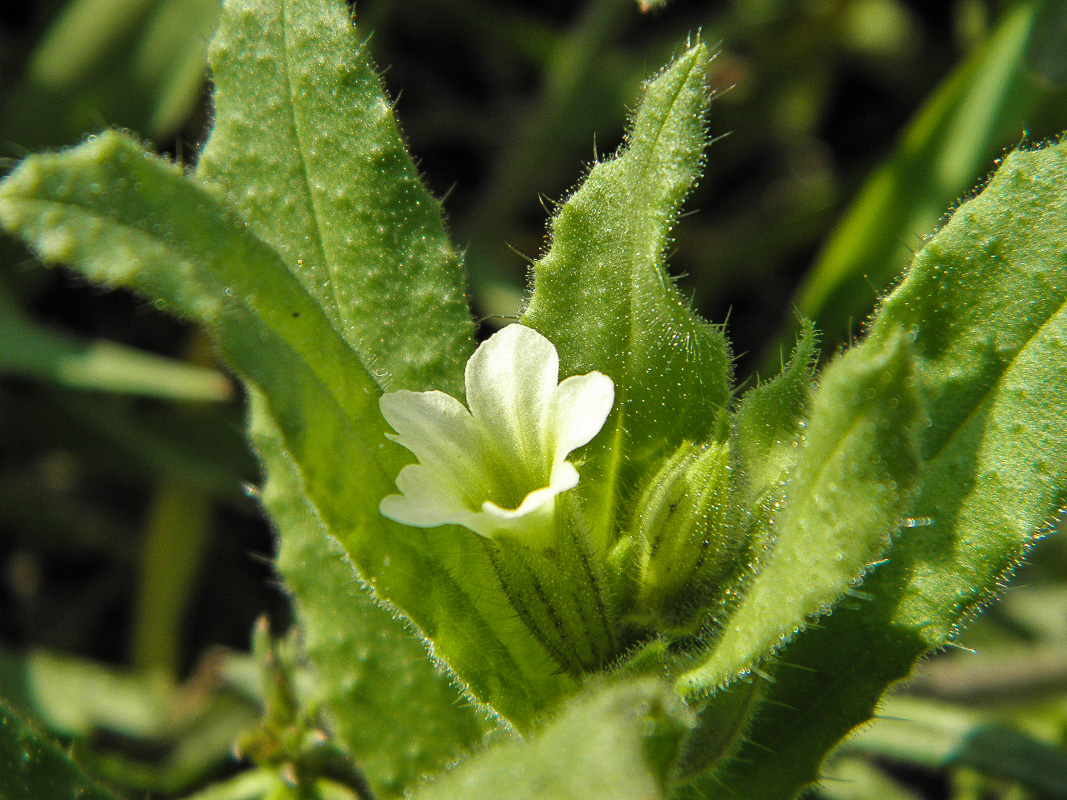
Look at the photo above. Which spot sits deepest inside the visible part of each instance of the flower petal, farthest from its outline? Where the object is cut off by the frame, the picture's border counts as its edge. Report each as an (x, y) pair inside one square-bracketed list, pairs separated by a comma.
[(446, 440), (425, 501), (510, 380), (498, 468), (579, 408)]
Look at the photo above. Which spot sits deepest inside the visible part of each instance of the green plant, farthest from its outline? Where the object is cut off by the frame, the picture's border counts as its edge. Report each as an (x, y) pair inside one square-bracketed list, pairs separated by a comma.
[(668, 586)]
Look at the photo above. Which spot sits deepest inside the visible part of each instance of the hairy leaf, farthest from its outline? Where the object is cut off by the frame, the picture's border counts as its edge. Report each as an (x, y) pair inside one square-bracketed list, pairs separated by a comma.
[(615, 743), (306, 147), (985, 305), (768, 422), (602, 296), (396, 713), (125, 218), (849, 490)]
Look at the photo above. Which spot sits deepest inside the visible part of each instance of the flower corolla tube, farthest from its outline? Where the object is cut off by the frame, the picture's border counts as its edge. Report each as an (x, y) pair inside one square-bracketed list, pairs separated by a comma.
[(498, 467)]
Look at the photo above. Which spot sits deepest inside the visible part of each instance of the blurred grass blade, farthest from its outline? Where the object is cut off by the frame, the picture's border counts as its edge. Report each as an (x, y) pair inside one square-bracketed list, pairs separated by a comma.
[(32, 768), (978, 109), (933, 735), (72, 697), (177, 533), (28, 349), (133, 63)]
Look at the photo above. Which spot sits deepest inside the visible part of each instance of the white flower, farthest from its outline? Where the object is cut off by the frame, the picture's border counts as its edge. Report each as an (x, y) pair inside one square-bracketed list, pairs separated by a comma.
[(498, 467)]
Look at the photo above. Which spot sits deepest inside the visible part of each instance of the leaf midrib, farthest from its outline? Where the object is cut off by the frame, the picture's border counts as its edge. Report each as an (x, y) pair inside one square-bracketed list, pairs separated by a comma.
[(290, 93)]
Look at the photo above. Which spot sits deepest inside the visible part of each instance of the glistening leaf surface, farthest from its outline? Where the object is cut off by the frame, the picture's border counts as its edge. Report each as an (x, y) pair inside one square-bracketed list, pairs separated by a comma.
[(985, 303), (305, 146), (602, 296), (768, 422), (125, 218)]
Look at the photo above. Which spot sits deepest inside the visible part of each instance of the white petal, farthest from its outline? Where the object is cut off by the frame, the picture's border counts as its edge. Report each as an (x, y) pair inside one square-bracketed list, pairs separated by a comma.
[(441, 433), (579, 409), (564, 477), (427, 498), (510, 380)]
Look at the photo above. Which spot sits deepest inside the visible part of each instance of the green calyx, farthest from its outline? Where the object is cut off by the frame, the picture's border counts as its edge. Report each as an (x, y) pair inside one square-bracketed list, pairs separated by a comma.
[(562, 594)]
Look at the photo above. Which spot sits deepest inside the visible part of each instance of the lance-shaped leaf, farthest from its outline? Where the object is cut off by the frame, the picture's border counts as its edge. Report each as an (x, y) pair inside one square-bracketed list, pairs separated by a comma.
[(306, 147), (33, 768), (602, 296), (614, 743), (769, 419), (985, 304), (849, 490), (398, 715), (125, 218)]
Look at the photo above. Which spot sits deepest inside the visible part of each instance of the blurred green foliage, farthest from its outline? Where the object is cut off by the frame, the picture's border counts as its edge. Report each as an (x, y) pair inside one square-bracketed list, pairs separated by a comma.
[(847, 128)]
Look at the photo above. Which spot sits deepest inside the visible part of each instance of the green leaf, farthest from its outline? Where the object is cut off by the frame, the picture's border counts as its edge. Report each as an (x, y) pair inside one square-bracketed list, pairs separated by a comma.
[(849, 490), (125, 218), (936, 735), (306, 147), (72, 697), (32, 768), (769, 420), (985, 304), (617, 743), (601, 294), (395, 712)]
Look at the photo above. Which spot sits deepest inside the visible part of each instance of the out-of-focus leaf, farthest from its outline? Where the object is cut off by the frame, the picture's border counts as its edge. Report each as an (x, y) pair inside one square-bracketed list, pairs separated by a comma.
[(1047, 54), (73, 697), (191, 733), (133, 63), (175, 541), (934, 735), (253, 784), (32, 768), (978, 109), (852, 778), (29, 349)]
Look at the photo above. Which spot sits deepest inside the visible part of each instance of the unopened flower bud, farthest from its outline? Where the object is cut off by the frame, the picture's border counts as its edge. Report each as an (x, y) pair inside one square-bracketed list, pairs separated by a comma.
[(688, 543)]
